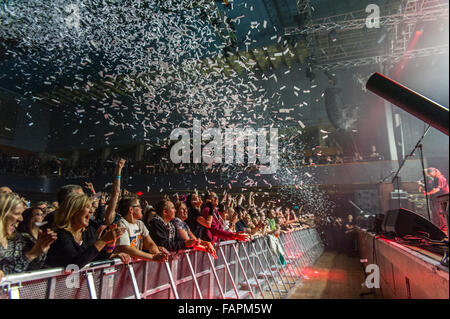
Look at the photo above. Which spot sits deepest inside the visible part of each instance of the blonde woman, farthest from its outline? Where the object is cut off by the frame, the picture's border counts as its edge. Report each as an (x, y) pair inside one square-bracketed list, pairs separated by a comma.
[(79, 242), (16, 253)]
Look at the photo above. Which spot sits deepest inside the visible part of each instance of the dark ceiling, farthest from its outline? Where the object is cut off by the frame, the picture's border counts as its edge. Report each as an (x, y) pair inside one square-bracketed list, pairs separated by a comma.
[(30, 69)]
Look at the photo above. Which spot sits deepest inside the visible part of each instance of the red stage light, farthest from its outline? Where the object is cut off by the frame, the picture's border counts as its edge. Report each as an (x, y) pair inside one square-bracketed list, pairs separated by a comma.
[(140, 193)]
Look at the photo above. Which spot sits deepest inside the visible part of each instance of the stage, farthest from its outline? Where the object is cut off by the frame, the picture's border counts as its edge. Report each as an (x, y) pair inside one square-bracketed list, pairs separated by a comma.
[(406, 272)]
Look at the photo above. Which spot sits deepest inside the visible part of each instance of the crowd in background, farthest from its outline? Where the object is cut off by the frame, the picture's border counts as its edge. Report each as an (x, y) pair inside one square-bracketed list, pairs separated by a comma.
[(32, 165), (319, 159), (83, 225)]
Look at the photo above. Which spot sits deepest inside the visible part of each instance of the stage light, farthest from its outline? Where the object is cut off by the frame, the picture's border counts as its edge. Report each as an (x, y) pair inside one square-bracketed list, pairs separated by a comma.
[(139, 193), (331, 77), (383, 35), (310, 74), (332, 36), (420, 28)]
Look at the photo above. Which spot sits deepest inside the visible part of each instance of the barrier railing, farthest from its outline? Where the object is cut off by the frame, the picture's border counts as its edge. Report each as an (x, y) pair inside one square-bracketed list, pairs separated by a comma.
[(242, 270)]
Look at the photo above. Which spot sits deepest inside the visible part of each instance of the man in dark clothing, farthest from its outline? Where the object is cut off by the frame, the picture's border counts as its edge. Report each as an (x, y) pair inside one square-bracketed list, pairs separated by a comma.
[(241, 225), (164, 232), (349, 236)]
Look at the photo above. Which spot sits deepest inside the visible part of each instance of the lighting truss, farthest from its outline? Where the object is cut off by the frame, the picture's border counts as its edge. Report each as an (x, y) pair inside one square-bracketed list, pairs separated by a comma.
[(358, 45), (413, 12), (386, 58)]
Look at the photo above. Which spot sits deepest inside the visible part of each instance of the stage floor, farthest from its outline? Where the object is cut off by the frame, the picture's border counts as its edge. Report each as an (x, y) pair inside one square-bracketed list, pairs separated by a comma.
[(333, 276)]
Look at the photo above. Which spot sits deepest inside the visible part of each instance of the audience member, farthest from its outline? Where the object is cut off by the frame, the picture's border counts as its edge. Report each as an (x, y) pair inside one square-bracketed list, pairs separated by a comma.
[(196, 222), (185, 232), (163, 230), (17, 254), (241, 225), (79, 242), (374, 155), (215, 230), (32, 219), (64, 192), (136, 241), (5, 189)]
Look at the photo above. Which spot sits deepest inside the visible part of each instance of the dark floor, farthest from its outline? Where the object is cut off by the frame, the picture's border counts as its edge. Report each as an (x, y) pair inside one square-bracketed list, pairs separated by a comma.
[(333, 276)]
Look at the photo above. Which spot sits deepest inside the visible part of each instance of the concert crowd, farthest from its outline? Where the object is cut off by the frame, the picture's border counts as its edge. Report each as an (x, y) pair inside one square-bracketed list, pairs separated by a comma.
[(83, 225)]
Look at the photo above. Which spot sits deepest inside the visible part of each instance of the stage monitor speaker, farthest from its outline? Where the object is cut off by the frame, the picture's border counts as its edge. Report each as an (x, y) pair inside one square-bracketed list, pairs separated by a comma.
[(405, 222), (399, 203), (378, 223)]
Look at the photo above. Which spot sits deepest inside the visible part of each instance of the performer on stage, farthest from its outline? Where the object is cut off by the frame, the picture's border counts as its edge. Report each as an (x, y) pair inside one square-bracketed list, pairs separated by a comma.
[(439, 187)]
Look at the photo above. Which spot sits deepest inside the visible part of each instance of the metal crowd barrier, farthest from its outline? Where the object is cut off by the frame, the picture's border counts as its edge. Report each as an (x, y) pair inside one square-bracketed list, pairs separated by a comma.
[(242, 270)]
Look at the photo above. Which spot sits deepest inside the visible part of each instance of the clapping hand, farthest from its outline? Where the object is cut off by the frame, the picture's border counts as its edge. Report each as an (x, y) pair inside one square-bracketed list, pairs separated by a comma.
[(112, 234), (44, 240), (103, 200)]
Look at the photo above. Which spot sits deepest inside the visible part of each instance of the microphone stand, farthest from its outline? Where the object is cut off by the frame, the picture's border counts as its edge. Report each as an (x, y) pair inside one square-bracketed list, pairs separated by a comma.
[(357, 207), (418, 145), (425, 180)]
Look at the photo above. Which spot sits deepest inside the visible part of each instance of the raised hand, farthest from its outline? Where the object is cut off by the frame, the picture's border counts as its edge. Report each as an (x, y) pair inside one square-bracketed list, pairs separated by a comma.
[(121, 163), (112, 234), (102, 228), (44, 241), (103, 200), (89, 186)]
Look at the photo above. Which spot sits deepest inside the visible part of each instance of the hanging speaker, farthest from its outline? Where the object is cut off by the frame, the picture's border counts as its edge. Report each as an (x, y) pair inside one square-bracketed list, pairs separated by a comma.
[(333, 105), (403, 222), (342, 116)]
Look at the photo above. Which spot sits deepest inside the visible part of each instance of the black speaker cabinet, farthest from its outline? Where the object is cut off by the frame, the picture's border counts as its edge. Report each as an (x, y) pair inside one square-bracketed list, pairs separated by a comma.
[(405, 222), (397, 203)]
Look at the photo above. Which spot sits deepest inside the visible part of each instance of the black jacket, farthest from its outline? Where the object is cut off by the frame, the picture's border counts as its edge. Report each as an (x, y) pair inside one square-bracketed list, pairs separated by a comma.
[(160, 235), (65, 250)]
